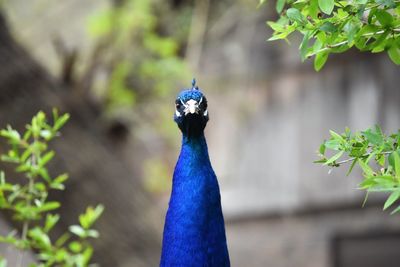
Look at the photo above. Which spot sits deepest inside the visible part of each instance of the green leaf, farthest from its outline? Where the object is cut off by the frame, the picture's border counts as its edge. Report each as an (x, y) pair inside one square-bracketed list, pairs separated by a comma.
[(365, 199), (395, 210), (328, 27), (394, 54), (322, 149), (75, 246), (77, 230), (57, 183), (279, 5), (276, 26), (396, 158), (295, 15), (52, 205), (320, 60), (334, 158), (90, 216), (93, 233), (391, 199), (46, 158), (366, 168), (60, 122), (62, 239), (304, 45), (336, 136), (51, 221), (372, 137), (384, 18), (87, 255), (333, 144), (351, 28), (313, 11), (326, 6), (352, 166), (40, 237)]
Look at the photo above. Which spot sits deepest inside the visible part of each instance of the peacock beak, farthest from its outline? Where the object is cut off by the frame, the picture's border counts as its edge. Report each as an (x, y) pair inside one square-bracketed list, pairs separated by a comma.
[(191, 106)]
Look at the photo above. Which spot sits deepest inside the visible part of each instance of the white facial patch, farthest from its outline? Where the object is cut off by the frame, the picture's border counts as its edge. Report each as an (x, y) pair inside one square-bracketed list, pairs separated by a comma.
[(177, 113), (191, 107)]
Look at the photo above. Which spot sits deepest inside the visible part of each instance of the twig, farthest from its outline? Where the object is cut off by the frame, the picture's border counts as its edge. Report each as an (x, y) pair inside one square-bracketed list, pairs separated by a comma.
[(365, 155), (346, 41), (25, 226)]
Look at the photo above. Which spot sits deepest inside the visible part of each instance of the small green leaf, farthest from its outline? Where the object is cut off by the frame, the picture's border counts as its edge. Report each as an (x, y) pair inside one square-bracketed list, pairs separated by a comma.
[(326, 6), (314, 9), (320, 60), (60, 122), (395, 210), (52, 205), (334, 158), (352, 166), (46, 158), (295, 15), (304, 45), (51, 220), (333, 144), (396, 158), (77, 230), (87, 255), (40, 237), (322, 149), (384, 18), (75, 246), (394, 54), (90, 216), (93, 233), (372, 137), (336, 136), (391, 199), (276, 26), (366, 168), (328, 27), (279, 5)]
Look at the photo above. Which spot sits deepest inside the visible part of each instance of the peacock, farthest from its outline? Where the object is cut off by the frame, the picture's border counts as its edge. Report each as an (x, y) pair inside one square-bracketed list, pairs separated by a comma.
[(194, 231)]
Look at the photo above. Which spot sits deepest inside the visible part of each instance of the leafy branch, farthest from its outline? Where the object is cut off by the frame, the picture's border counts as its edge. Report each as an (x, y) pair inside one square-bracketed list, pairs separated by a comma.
[(28, 201), (376, 154), (333, 26)]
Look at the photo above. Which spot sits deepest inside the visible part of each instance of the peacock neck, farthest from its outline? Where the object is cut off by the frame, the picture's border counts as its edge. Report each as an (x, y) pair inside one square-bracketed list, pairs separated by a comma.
[(194, 233), (194, 148), (193, 162)]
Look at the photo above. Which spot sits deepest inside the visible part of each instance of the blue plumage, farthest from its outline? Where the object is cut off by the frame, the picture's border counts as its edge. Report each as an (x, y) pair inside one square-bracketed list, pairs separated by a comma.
[(194, 232)]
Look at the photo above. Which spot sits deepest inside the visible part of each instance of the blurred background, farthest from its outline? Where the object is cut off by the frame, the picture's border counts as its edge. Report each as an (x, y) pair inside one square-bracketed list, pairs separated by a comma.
[(116, 67)]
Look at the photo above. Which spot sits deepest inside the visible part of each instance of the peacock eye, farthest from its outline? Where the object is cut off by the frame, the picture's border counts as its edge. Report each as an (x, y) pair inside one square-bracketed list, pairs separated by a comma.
[(203, 104), (178, 104)]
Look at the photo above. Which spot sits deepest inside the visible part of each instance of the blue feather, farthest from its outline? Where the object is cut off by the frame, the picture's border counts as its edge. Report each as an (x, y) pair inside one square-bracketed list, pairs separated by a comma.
[(194, 232)]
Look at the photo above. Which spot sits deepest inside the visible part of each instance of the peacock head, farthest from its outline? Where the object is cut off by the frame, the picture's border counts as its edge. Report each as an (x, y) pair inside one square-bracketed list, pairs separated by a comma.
[(191, 113)]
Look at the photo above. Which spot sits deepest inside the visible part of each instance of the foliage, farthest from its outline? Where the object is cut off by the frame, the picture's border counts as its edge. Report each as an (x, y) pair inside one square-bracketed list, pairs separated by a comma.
[(140, 55), (140, 65), (378, 156), (27, 199), (333, 26)]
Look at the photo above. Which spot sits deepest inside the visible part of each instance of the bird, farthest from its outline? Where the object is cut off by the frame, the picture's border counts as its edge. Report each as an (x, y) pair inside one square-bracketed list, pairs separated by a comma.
[(194, 230)]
